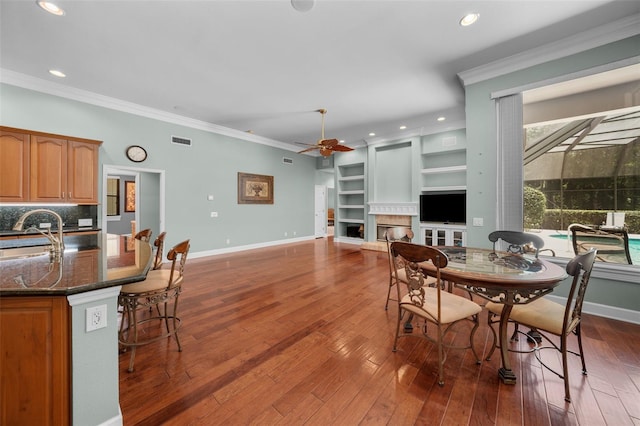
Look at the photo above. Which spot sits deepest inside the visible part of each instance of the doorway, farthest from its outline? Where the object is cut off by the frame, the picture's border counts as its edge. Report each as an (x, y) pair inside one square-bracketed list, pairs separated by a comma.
[(149, 200), (320, 211)]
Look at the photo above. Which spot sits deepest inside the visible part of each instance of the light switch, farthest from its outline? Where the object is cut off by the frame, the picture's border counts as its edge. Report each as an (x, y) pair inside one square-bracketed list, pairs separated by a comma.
[(478, 221)]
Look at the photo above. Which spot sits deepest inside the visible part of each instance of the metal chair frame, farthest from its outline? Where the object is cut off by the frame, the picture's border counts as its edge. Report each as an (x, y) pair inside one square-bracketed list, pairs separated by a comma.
[(396, 233), (519, 242), (415, 302), (154, 291), (580, 269)]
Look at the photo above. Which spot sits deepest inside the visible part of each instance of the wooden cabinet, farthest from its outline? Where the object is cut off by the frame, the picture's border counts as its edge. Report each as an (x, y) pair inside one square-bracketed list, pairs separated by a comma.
[(34, 361), (48, 168), (14, 166), (63, 171), (437, 234)]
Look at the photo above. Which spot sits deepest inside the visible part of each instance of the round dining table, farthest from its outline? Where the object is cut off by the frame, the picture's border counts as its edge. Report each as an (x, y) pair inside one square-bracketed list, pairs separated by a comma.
[(501, 277)]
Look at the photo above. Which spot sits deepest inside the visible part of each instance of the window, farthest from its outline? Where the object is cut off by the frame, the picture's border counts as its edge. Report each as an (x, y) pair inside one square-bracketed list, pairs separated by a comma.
[(575, 142), (113, 196), (583, 170)]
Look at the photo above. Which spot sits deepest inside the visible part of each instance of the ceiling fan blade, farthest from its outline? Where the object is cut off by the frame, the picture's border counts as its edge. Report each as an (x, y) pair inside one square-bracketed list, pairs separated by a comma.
[(309, 149), (342, 148)]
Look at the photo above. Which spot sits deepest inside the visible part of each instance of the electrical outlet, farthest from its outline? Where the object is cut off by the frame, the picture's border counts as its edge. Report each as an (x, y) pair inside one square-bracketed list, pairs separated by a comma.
[(214, 214), (85, 222), (44, 225), (96, 317)]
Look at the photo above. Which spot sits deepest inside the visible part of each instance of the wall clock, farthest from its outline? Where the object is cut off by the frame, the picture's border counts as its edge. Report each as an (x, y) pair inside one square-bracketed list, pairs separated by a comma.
[(136, 153)]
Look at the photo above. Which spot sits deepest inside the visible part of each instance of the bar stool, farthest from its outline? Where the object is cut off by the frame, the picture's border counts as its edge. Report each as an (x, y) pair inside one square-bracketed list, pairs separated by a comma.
[(159, 245), (161, 287)]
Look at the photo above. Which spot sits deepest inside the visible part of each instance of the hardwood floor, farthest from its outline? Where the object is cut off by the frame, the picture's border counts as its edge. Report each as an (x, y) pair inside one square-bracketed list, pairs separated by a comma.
[(298, 334)]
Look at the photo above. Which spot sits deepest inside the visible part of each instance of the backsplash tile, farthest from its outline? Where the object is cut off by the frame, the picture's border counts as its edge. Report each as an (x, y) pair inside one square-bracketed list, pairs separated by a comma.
[(9, 215)]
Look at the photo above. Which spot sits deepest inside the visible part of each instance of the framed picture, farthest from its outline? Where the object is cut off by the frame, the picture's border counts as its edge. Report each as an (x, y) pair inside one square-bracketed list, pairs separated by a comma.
[(255, 189), (129, 196)]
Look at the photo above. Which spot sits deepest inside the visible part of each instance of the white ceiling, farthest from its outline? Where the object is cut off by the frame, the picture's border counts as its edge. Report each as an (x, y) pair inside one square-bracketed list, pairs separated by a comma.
[(262, 66)]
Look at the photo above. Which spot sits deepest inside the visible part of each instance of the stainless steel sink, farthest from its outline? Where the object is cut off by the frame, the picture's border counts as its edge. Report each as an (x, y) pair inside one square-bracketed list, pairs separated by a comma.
[(24, 252)]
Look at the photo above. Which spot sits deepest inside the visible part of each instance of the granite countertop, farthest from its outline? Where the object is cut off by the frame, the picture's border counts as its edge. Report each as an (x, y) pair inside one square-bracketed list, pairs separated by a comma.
[(12, 233), (79, 270)]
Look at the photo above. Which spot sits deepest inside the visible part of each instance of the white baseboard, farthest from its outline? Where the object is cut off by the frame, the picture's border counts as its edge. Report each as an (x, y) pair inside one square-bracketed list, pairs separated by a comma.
[(248, 247), (114, 421), (620, 314)]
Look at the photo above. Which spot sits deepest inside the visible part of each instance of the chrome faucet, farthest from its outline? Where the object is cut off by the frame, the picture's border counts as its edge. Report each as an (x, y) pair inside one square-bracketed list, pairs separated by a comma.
[(57, 244)]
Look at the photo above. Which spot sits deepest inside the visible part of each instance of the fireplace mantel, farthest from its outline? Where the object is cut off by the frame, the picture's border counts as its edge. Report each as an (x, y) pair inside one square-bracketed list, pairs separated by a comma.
[(393, 208)]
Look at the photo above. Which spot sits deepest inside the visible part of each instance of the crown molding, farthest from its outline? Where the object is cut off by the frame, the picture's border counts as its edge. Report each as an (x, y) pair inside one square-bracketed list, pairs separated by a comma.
[(595, 37), (56, 89)]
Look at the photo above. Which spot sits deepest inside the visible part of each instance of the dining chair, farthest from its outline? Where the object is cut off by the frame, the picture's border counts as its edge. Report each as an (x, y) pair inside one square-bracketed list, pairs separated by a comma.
[(161, 287), (519, 242), (398, 233), (144, 235), (159, 245), (430, 304), (549, 317)]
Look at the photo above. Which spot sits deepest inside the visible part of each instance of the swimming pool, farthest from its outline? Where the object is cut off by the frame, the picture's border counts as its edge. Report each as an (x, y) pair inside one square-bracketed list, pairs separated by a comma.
[(634, 247)]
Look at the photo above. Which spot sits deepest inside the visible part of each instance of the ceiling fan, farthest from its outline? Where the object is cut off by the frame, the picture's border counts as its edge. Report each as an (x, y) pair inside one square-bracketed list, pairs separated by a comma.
[(326, 146)]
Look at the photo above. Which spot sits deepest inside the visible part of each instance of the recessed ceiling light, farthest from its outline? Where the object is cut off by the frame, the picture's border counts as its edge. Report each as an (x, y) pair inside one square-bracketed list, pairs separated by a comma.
[(403, 127), (441, 118), (469, 19), (57, 73), (372, 134), (341, 141), (302, 5), (51, 8)]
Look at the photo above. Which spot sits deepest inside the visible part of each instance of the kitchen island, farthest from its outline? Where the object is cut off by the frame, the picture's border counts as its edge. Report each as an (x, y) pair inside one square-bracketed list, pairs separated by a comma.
[(59, 332)]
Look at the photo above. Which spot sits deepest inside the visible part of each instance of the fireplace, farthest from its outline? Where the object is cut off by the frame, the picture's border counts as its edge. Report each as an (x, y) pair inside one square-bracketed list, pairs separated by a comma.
[(383, 222), (388, 215)]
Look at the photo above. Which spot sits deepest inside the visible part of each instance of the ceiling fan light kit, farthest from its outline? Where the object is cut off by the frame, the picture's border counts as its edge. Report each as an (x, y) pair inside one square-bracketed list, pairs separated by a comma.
[(326, 146)]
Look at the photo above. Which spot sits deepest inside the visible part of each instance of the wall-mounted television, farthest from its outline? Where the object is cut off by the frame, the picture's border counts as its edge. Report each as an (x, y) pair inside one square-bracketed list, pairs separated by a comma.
[(443, 208)]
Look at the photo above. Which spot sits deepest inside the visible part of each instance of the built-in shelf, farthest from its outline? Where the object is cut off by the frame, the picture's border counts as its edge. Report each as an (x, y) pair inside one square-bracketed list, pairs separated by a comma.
[(449, 169), (359, 221), (444, 171), (348, 178), (350, 217)]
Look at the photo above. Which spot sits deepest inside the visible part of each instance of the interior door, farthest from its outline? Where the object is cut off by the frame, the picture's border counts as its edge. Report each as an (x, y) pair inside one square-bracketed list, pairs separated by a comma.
[(321, 211)]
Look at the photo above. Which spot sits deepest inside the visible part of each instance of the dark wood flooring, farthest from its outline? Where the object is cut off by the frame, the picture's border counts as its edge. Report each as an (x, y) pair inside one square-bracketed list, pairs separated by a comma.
[(297, 334)]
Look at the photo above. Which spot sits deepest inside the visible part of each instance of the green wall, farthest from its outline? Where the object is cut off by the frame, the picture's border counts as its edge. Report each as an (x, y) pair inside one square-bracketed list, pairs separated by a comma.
[(209, 166), (482, 157)]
